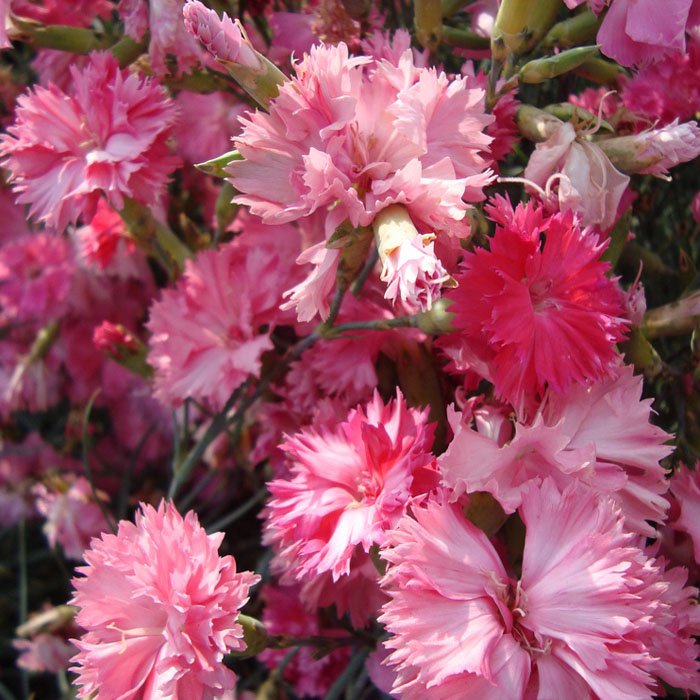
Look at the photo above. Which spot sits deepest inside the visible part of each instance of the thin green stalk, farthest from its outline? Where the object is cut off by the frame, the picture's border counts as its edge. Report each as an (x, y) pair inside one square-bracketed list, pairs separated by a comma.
[(226, 520), (351, 670)]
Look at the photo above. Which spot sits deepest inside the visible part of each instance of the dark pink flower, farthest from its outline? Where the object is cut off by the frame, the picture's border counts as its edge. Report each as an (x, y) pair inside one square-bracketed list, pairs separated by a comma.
[(537, 308)]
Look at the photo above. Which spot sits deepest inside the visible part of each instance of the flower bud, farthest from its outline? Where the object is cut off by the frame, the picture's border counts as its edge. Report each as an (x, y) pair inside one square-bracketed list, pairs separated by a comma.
[(427, 20), (543, 69), (520, 24)]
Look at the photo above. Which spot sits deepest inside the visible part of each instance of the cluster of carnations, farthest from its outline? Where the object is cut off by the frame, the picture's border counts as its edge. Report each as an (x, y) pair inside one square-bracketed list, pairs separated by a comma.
[(379, 340)]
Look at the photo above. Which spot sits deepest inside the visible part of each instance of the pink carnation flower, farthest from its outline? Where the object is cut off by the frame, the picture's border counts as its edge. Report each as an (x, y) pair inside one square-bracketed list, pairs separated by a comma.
[(109, 135), (206, 339), (637, 32), (685, 487), (45, 653), (578, 623), (599, 435), (159, 607), (538, 312), (168, 34), (72, 516), (348, 485), (36, 274), (351, 136)]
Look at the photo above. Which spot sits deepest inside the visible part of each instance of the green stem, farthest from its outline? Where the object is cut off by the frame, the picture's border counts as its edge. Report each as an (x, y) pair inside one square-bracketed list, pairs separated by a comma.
[(464, 39)]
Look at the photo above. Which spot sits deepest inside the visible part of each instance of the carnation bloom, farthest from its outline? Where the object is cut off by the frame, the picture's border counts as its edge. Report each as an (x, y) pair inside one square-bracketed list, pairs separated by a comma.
[(206, 331), (159, 607), (36, 273), (599, 435), (348, 485), (109, 135), (72, 516), (45, 653), (580, 621), (168, 34), (538, 310), (685, 487), (352, 135)]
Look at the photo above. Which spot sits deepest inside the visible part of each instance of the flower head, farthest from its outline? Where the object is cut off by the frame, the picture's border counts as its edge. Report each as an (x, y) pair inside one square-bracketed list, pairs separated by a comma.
[(206, 331), (348, 485), (579, 622), (159, 607), (109, 135), (537, 309)]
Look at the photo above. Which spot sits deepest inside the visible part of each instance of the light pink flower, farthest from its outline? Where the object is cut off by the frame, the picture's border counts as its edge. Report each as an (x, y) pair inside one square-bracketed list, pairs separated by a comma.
[(108, 136), (36, 273), (599, 435), (637, 32), (589, 184), (285, 614), (45, 653), (577, 623), (537, 313), (72, 516), (348, 485), (666, 147), (206, 339), (221, 112), (168, 34), (685, 487), (159, 607), (351, 136)]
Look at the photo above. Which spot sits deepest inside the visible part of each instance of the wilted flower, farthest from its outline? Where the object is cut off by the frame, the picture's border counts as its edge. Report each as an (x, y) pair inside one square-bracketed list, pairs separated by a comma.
[(159, 607)]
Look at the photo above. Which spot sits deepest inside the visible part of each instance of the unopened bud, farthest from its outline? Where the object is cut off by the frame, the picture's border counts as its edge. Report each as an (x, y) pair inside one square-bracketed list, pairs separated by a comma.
[(427, 20), (438, 320), (543, 69), (536, 124), (600, 71), (574, 31), (254, 635), (520, 24), (122, 346), (226, 40)]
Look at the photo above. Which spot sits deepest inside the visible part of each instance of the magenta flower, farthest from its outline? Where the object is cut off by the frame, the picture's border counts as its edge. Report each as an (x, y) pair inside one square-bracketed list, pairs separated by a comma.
[(159, 607), (349, 485), (538, 310), (580, 621), (109, 135)]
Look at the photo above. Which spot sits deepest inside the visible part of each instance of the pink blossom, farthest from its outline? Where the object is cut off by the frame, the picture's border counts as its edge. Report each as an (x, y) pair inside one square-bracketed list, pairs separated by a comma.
[(685, 487), (647, 92), (72, 516), (351, 136), (36, 273), (109, 135), (348, 485), (588, 183), (534, 313), (221, 112), (44, 653), (578, 622), (76, 13), (159, 607), (599, 435), (637, 32), (105, 244), (666, 147), (285, 614), (168, 34), (223, 38), (206, 339)]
